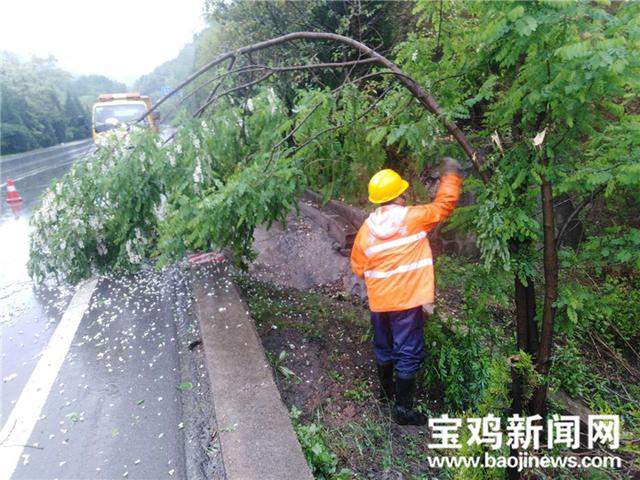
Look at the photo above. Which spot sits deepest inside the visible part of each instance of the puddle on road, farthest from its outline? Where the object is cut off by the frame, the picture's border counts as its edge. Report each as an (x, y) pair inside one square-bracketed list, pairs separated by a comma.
[(17, 295), (14, 252), (28, 316)]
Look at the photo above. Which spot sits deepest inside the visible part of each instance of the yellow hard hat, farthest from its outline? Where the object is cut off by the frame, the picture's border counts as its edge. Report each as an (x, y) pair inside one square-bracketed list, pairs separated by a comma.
[(386, 185)]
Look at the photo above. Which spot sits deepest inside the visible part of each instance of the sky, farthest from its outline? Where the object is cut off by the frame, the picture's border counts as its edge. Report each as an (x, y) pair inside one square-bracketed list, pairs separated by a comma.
[(122, 39)]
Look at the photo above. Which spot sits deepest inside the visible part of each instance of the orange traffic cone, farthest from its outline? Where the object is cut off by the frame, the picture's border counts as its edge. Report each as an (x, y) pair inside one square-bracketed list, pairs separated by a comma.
[(13, 198)]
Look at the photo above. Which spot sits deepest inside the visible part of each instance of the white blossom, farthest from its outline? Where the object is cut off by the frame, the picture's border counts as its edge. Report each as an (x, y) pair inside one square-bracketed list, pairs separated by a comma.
[(161, 208), (197, 172), (95, 223), (133, 256), (273, 100), (195, 140)]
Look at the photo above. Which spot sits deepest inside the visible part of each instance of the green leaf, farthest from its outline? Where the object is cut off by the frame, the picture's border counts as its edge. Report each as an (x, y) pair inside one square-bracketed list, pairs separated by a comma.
[(515, 13), (396, 134), (184, 386), (376, 136), (526, 25)]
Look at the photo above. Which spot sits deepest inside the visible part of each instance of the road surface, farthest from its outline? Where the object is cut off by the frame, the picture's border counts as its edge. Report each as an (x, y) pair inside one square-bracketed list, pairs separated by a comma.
[(97, 381)]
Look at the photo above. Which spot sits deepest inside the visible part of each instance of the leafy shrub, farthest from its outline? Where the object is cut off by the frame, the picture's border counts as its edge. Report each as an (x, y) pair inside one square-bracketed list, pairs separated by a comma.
[(461, 348), (321, 460), (570, 371), (457, 363)]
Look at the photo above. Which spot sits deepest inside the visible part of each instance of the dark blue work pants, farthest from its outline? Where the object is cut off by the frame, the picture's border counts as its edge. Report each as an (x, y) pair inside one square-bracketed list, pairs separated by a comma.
[(398, 338)]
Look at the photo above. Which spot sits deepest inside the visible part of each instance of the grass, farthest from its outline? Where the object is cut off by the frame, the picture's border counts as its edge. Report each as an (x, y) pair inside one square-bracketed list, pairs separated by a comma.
[(333, 383), (347, 423)]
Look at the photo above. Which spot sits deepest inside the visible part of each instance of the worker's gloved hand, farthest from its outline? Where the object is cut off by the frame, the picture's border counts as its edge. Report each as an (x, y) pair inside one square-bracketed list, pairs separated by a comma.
[(450, 165)]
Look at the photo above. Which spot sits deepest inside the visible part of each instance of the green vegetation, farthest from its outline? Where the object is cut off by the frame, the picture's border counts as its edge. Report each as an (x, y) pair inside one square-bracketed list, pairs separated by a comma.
[(548, 90), (366, 440), (42, 105), (89, 87), (322, 461)]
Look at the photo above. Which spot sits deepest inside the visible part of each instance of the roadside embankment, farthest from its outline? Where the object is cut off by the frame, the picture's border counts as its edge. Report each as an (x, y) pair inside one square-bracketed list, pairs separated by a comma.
[(256, 435)]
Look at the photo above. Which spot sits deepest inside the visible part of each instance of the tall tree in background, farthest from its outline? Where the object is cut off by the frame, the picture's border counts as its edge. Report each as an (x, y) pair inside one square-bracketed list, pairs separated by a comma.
[(40, 103), (77, 119)]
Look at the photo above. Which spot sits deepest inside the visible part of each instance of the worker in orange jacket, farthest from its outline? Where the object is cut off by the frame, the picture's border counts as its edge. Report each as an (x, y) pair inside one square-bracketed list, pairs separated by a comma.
[(392, 253)]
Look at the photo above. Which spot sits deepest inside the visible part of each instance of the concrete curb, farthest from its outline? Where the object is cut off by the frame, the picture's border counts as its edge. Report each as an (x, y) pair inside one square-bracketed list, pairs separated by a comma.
[(203, 460), (256, 435)]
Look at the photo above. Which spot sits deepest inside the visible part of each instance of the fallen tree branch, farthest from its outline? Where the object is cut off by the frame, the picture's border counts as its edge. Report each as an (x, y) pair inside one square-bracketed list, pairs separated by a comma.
[(256, 67), (231, 90), (317, 105), (341, 125), (215, 89), (421, 95)]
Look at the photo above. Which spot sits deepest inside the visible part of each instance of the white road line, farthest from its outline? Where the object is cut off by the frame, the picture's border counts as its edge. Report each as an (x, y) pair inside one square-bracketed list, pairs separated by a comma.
[(20, 423)]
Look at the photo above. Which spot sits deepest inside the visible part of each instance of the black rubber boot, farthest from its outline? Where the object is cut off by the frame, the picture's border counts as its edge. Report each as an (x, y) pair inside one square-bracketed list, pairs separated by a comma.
[(385, 375), (403, 413)]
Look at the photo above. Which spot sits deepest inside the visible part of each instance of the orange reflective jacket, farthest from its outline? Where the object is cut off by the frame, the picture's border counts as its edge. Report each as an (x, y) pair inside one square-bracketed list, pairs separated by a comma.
[(392, 252)]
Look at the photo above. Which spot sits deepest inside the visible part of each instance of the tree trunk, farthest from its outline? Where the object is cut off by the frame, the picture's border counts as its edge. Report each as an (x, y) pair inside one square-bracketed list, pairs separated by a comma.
[(525, 301), (526, 331), (550, 261), (525, 295), (532, 338), (516, 408)]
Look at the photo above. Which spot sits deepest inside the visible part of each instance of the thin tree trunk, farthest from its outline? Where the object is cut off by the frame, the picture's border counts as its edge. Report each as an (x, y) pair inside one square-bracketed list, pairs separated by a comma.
[(526, 330), (515, 408), (532, 337), (525, 295), (550, 261), (522, 315), (525, 302)]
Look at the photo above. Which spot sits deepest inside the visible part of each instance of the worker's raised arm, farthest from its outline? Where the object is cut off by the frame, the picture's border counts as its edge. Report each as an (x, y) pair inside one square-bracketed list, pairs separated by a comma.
[(358, 257), (446, 196)]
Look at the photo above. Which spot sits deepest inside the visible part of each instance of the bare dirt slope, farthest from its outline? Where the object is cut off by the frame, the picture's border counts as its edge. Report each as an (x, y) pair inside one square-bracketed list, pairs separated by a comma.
[(302, 255)]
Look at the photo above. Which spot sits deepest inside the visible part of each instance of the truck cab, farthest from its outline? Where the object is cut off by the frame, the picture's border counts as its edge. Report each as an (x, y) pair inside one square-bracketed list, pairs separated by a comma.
[(115, 109)]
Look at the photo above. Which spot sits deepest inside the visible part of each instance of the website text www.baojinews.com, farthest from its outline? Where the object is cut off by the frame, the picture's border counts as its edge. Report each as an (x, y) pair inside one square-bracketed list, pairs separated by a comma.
[(525, 436)]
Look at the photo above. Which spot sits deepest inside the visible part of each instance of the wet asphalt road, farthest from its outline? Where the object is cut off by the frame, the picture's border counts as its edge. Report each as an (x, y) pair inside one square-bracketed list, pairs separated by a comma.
[(116, 406)]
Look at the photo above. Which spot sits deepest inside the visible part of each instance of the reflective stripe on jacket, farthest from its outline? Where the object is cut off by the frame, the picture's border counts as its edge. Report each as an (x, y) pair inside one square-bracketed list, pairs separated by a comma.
[(392, 252)]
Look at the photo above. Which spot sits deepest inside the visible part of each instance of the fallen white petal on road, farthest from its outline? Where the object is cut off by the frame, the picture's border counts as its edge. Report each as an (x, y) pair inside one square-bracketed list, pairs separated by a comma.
[(22, 419)]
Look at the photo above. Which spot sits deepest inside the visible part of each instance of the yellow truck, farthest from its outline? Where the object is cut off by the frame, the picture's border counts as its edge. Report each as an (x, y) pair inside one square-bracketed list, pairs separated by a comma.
[(115, 109)]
